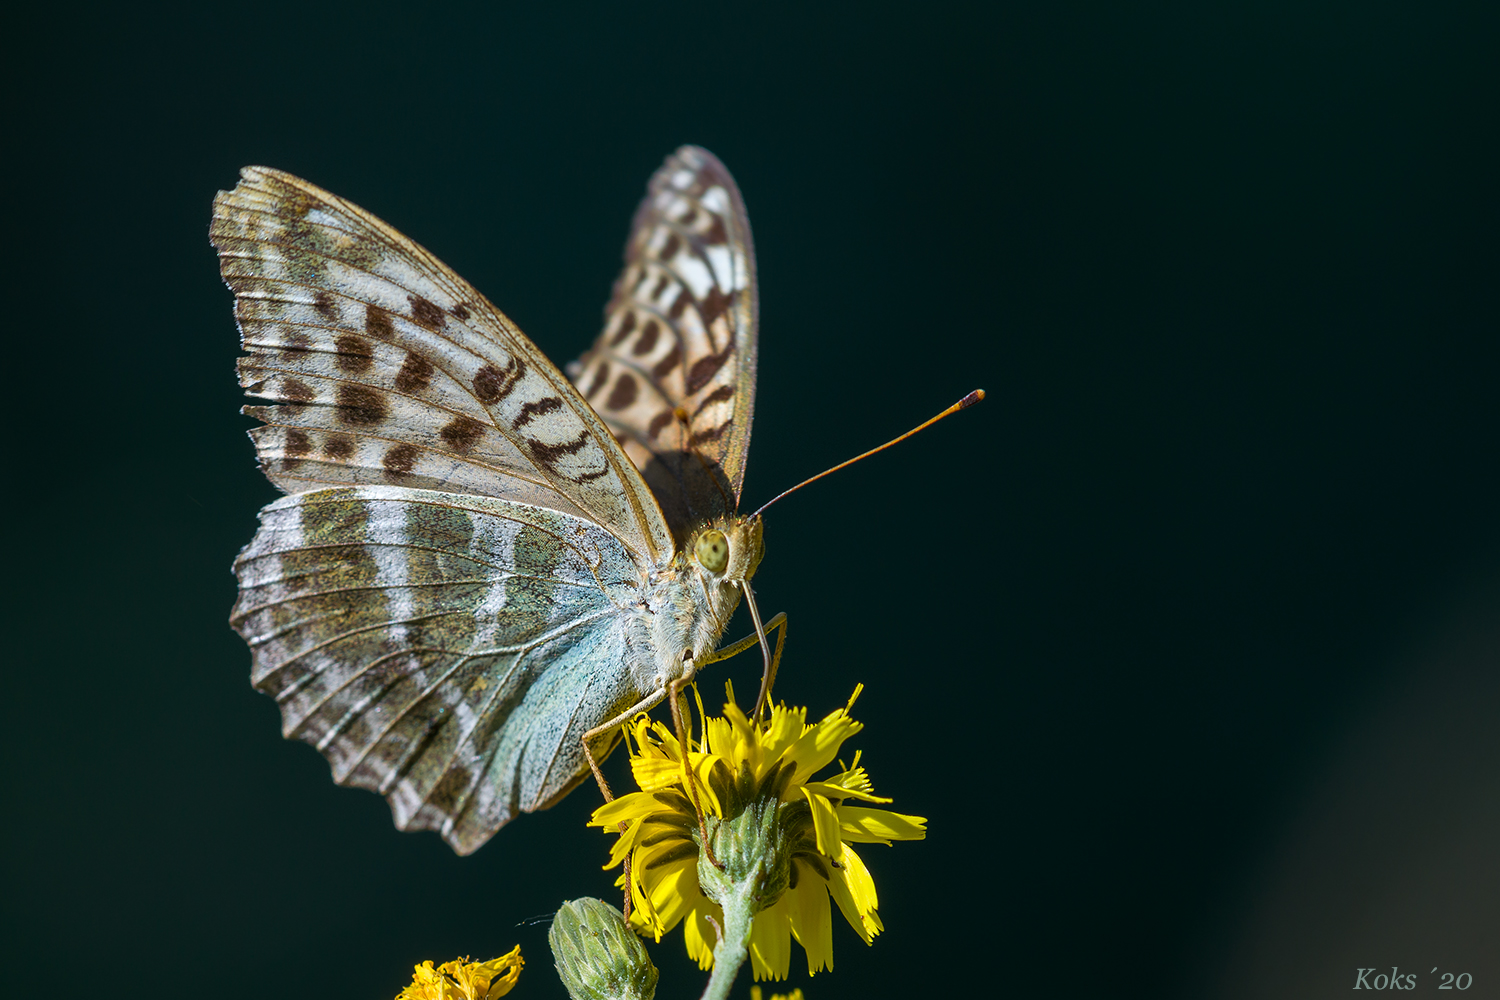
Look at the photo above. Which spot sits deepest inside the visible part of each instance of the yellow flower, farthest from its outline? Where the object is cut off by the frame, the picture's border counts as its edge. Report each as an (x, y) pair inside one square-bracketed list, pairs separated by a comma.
[(756, 787), (461, 979), (794, 995)]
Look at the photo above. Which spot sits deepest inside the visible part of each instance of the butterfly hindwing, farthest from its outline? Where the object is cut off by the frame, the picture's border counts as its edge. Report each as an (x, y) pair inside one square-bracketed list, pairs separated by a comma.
[(673, 373), (384, 367), (445, 651)]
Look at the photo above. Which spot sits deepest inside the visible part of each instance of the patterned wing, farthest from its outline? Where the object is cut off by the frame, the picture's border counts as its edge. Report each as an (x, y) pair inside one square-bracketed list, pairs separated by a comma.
[(445, 651), (673, 373), (385, 367)]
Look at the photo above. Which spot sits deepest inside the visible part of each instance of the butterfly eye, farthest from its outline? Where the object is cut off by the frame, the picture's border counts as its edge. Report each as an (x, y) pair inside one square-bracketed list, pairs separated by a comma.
[(713, 551)]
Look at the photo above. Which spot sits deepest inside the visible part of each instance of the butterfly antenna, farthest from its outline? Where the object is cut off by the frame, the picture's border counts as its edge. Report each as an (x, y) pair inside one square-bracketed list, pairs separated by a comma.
[(962, 404)]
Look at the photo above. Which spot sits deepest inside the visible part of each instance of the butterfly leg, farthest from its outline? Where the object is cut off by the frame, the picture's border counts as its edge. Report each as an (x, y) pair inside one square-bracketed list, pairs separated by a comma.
[(646, 704), (688, 775), (773, 661)]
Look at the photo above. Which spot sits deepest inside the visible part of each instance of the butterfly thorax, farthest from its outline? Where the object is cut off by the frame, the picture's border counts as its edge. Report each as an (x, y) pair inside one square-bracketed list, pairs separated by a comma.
[(690, 604)]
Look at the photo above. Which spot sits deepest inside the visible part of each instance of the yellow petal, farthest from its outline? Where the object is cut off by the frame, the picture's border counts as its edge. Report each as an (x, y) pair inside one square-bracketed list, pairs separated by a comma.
[(787, 725), (653, 859), (674, 891), (825, 823), (424, 984), (839, 890), (771, 942), (500, 974), (836, 791), (703, 765), (854, 779), (653, 774), (878, 826), (861, 885), (632, 805), (699, 935), (812, 922), (817, 747), (718, 737)]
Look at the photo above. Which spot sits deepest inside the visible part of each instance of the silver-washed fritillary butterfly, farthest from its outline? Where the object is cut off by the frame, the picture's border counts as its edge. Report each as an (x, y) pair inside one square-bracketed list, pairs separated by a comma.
[(482, 568), (475, 566)]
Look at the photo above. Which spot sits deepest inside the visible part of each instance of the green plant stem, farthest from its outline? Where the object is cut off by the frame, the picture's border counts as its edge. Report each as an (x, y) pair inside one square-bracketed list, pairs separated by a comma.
[(730, 952)]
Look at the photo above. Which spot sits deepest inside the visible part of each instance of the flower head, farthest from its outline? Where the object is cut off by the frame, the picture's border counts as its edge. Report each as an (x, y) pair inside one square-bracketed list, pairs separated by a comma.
[(461, 979), (768, 822)]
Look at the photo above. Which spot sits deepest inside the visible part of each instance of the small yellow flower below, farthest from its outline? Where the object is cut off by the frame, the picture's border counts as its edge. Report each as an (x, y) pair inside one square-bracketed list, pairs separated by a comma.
[(794, 995), (461, 979)]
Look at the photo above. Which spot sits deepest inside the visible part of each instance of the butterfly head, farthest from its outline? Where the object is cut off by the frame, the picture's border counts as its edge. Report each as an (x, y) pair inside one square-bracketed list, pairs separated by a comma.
[(728, 550)]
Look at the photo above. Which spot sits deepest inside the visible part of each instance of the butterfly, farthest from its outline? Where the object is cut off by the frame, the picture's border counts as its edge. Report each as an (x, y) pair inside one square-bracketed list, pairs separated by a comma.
[(481, 566)]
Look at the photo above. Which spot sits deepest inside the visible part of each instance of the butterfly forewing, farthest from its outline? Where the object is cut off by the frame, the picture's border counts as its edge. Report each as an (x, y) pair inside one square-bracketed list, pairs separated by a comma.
[(383, 366), (445, 651), (468, 575), (673, 373)]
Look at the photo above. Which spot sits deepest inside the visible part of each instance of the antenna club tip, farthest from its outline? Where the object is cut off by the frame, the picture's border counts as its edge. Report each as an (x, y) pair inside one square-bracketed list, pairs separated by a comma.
[(971, 399)]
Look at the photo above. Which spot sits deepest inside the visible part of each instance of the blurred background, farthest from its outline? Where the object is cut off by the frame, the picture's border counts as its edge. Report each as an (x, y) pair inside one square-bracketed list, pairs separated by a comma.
[(1185, 641)]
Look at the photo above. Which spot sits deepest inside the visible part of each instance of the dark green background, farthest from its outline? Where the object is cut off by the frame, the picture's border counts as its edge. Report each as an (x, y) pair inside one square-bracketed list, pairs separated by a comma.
[(1186, 640)]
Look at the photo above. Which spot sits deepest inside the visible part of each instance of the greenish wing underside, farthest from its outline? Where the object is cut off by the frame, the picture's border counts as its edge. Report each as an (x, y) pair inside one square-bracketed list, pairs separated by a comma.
[(445, 651)]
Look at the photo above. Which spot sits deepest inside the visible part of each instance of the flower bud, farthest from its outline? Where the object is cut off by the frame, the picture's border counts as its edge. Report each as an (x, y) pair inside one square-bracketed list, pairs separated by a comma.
[(597, 956)]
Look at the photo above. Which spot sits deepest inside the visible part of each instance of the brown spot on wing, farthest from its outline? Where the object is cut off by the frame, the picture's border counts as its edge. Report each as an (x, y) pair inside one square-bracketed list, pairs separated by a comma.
[(659, 287), (548, 454), (325, 306), (360, 405), (295, 342), (624, 392), (665, 365), (297, 392), (713, 305), (669, 249), (537, 408), (399, 460), (702, 437), (626, 325), (339, 446), (704, 369), (354, 353), (294, 447), (378, 323), (721, 393), (647, 340), (493, 384), (601, 376), (426, 314), (716, 233), (658, 423), (461, 312), (680, 304), (415, 374), (462, 433)]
